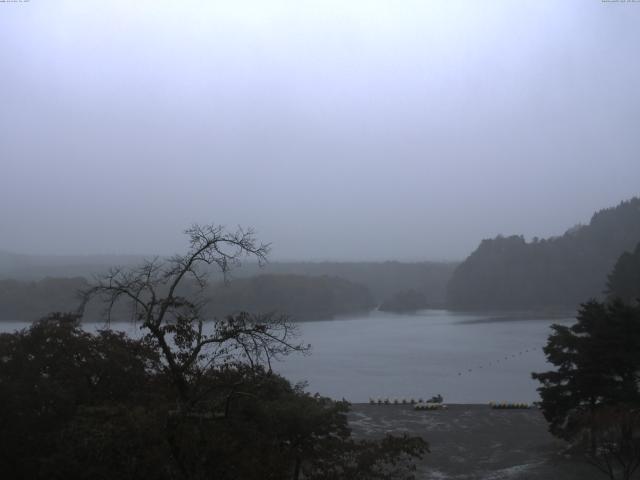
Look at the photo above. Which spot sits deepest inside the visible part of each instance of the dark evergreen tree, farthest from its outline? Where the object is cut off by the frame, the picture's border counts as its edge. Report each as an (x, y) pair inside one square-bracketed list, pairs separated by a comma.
[(596, 378)]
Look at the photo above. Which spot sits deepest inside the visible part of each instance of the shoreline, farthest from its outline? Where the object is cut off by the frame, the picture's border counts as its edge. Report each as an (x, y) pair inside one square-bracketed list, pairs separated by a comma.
[(473, 441)]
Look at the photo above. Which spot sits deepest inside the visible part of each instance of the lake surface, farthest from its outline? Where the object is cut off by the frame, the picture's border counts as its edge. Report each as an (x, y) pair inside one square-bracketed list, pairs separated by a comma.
[(467, 358)]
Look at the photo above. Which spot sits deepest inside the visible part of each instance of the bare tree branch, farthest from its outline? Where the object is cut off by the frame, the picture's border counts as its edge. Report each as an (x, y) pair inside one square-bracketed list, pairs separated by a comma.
[(174, 321)]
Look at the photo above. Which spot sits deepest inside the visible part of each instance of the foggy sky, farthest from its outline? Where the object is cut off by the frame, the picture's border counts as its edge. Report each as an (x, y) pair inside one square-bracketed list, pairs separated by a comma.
[(338, 129)]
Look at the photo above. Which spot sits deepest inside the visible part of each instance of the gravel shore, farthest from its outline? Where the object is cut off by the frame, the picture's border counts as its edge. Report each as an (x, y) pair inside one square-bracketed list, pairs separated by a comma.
[(476, 442)]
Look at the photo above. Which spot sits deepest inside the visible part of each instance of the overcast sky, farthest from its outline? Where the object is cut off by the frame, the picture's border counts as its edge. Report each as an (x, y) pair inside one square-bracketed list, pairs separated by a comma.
[(356, 129)]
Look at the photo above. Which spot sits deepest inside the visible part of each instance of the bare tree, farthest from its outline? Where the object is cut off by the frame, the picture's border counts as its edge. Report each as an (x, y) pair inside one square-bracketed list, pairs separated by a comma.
[(168, 296), (217, 372)]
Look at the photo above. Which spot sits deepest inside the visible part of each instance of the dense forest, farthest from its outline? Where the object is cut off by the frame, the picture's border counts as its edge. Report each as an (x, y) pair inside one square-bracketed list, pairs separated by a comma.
[(31, 300), (405, 301), (624, 281), (383, 279), (511, 273), (300, 297)]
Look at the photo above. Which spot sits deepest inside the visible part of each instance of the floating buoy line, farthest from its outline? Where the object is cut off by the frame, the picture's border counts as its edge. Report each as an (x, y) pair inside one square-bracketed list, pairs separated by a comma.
[(418, 404), (501, 360), (421, 404), (508, 405)]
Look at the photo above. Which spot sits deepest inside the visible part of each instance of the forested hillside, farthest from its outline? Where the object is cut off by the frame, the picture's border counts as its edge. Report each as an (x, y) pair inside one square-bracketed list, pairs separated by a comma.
[(383, 279), (624, 280), (511, 273), (405, 301), (27, 301), (300, 297)]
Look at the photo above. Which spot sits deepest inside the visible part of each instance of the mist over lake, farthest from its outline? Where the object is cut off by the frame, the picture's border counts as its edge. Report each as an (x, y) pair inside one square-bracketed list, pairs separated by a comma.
[(311, 240)]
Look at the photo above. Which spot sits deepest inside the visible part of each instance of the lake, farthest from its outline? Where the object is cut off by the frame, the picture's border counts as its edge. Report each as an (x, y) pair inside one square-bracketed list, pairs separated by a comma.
[(467, 358)]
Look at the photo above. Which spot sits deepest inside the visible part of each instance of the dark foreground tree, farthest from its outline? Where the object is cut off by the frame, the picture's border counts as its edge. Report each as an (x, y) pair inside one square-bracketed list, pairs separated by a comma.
[(55, 378), (593, 396), (194, 398)]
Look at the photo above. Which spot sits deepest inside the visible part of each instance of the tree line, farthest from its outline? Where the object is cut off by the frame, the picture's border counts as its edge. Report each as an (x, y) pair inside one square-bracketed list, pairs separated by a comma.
[(301, 297), (382, 279)]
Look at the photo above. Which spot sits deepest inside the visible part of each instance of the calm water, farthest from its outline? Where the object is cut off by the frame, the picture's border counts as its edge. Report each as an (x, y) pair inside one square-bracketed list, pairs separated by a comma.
[(466, 358)]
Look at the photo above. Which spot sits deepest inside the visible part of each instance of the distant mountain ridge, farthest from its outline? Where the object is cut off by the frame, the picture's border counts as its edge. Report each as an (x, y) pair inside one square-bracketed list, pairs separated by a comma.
[(36, 267), (383, 279), (511, 273)]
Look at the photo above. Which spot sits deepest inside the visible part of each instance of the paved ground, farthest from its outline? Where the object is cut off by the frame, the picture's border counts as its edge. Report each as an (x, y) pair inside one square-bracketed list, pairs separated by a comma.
[(476, 442)]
